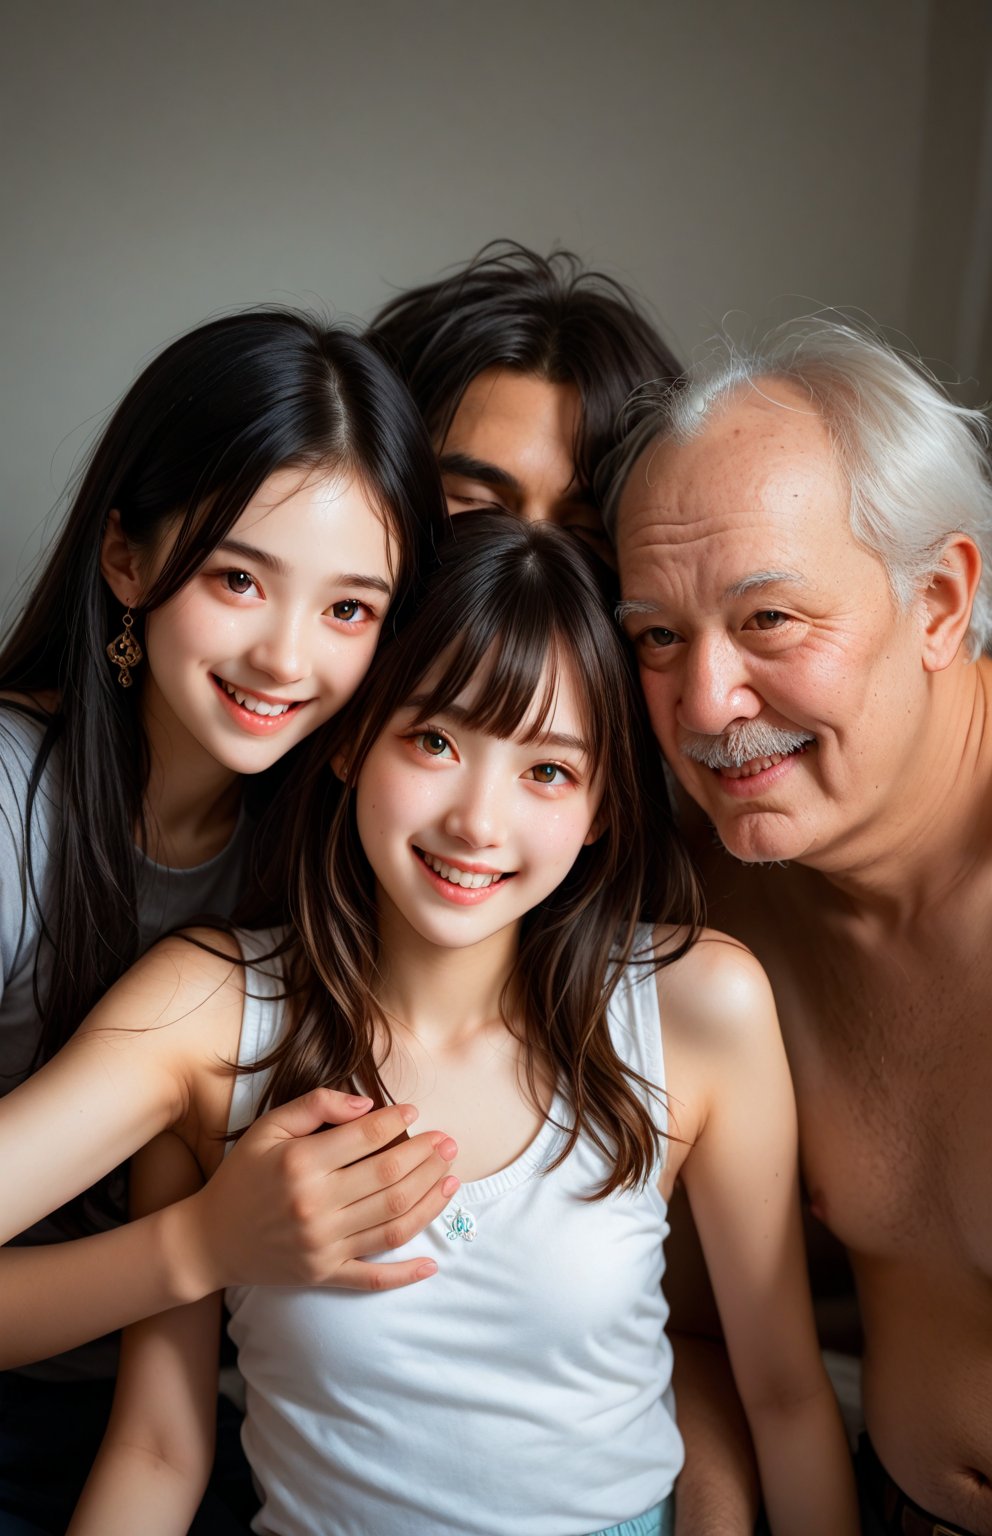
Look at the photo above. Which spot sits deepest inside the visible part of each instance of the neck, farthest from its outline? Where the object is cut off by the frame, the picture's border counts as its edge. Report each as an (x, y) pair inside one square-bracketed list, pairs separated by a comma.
[(935, 831), (443, 995), (191, 801)]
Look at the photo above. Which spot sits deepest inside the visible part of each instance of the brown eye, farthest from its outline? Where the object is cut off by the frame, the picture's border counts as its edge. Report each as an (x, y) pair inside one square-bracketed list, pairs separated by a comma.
[(770, 618), (432, 742), (549, 773), (238, 582), (660, 639), (347, 610)]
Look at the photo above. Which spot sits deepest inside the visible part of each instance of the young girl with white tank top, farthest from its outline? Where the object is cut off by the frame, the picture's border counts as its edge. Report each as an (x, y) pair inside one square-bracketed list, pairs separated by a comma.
[(469, 937)]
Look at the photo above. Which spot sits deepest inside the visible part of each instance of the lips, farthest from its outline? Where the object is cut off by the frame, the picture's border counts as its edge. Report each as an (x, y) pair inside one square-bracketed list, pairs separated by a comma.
[(759, 775), (254, 712), (758, 765), (468, 879), (257, 703), (459, 883)]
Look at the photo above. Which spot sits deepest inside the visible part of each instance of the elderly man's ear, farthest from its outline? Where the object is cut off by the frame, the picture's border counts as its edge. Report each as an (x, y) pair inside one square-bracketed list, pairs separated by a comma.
[(947, 602)]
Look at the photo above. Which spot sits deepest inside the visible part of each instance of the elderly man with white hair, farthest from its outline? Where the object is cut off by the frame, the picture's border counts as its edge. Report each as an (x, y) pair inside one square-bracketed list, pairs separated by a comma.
[(800, 537)]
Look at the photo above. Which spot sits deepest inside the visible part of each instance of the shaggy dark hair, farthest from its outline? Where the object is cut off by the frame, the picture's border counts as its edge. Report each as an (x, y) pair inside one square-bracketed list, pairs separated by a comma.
[(544, 315)]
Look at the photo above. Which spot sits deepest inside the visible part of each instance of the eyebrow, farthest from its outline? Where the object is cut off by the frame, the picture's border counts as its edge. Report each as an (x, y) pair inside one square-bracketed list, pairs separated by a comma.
[(459, 714), (755, 582), (634, 605), (759, 579), (495, 475), (280, 568)]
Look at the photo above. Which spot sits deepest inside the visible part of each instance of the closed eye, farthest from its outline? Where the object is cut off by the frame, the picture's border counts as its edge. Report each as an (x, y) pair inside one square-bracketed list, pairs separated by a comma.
[(473, 501)]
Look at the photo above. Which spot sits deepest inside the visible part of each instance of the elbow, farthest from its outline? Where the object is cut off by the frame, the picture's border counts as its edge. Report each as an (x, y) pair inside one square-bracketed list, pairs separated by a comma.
[(787, 1396)]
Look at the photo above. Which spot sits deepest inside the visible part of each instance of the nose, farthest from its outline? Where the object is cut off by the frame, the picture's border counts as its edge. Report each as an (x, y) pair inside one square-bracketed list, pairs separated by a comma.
[(281, 649), (476, 814), (716, 687)]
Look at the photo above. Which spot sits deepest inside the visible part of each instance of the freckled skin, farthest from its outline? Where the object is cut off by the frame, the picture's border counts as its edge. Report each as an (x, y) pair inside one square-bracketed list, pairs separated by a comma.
[(876, 934)]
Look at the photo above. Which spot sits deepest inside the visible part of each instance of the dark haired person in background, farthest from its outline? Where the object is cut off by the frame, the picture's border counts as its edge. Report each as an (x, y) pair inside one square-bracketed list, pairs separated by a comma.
[(520, 365)]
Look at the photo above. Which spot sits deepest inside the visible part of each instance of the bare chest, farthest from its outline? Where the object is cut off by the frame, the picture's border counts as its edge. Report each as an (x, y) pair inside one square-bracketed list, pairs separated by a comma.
[(890, 1043)]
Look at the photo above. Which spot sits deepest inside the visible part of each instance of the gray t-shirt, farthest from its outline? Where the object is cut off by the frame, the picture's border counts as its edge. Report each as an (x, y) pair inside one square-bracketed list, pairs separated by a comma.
[(167, 898)]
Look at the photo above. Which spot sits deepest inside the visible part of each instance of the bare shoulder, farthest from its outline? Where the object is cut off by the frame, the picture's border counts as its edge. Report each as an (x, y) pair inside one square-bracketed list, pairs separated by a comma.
[(189, 984), (716, 995), (723, 1046)]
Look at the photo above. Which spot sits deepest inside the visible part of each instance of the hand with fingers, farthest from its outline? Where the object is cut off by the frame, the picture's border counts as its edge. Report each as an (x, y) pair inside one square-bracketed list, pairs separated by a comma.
[(314, 1186)]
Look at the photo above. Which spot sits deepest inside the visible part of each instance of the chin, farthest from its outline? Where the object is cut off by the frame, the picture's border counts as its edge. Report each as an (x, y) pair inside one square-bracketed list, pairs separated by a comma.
[(763, 838)]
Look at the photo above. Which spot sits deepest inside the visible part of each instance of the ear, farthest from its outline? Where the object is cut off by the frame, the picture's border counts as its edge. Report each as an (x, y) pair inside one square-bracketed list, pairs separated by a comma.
[(948, 600), (599, 825), (339, 765), (119, 563)]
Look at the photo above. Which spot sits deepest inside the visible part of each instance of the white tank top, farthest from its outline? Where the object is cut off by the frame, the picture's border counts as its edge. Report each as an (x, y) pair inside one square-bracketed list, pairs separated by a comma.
[(524, 1390)]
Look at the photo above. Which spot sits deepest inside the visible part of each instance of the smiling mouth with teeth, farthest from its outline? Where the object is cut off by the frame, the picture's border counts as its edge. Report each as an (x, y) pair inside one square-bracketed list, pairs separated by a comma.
[(761, 764), (468, 879), (252, 703)]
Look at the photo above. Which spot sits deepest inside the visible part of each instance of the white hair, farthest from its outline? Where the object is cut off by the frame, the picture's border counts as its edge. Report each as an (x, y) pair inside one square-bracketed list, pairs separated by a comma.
[(917, 463)]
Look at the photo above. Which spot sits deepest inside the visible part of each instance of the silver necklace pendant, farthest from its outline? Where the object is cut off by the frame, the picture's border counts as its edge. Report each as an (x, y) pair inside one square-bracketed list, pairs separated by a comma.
[(460, 1224)]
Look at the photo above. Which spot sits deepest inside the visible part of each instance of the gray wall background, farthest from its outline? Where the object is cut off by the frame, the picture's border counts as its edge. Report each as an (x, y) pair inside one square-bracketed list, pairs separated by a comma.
[(165, 163)]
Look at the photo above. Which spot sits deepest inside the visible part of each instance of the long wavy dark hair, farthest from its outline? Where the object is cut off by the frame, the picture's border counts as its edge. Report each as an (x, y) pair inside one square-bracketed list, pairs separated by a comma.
[(545, 315), (511, 604), (206, 423)]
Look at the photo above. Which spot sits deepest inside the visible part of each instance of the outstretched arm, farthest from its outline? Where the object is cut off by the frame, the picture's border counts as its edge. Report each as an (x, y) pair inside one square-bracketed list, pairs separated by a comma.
[(286, 1207), (742, 1181)]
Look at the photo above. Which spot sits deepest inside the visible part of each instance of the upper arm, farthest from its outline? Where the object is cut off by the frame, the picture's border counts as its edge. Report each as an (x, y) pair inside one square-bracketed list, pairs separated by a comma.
[(741, 1173), (129, 1072)]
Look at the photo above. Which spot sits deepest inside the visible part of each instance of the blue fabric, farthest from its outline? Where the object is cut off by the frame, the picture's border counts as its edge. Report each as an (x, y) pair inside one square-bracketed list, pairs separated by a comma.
[(659, 1521)]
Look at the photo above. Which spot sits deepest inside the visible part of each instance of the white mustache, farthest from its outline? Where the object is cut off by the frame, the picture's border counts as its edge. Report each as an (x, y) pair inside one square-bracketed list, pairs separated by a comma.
[(742, 743)]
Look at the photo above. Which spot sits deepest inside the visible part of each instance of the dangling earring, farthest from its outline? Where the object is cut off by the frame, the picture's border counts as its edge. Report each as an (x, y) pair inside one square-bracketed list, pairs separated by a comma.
[(124, 651)]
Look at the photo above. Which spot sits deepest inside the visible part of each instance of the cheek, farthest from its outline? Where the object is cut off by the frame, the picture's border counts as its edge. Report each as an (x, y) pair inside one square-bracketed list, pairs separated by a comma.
[(386, 804), (659, 695), (187, 626), (345, 663), (557, 836)]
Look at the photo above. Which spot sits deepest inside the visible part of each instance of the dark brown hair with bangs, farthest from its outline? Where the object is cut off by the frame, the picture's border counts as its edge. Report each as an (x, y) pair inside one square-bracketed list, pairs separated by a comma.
[(510, 604)]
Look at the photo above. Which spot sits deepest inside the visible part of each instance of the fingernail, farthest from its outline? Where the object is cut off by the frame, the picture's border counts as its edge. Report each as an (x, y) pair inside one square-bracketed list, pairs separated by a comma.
[(409, 1113), (358, 1101), (425, 1270), (449, 1186), (448, 1149)]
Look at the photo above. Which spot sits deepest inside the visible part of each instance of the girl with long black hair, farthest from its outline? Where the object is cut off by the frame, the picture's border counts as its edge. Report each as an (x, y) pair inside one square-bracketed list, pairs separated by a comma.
[(469, 932), (250, 519)]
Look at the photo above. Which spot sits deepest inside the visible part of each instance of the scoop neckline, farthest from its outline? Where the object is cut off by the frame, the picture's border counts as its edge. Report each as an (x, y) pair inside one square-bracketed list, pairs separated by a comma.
[(530, 1159), (197, 869)]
